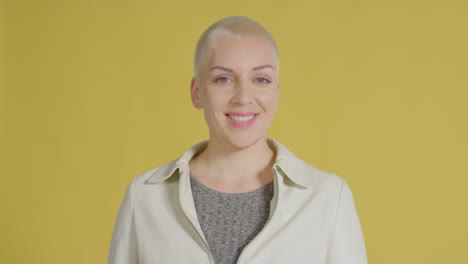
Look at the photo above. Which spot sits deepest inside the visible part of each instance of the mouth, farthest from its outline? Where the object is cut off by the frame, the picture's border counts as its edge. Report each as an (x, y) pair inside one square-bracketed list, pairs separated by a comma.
[(241, 117)]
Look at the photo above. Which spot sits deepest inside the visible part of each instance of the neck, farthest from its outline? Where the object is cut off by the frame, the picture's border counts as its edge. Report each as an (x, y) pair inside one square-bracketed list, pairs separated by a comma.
[(223, 164)]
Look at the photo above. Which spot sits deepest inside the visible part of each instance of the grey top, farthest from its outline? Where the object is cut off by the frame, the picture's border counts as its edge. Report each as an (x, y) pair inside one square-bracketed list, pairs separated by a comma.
[(230, 220)]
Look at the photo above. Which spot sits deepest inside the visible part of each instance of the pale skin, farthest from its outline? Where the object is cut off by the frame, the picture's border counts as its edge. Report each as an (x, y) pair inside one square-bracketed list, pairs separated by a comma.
[(239, 76)]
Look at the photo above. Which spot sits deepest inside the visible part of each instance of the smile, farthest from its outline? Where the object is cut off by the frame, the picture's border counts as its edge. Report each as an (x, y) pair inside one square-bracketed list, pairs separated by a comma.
[(240, 118)]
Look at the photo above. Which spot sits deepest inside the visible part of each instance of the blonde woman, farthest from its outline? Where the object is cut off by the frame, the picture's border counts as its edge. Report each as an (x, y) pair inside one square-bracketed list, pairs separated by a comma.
[(238, 197)]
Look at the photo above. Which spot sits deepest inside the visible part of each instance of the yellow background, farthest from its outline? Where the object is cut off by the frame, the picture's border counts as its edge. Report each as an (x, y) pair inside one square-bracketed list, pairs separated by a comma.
[(95, 92)]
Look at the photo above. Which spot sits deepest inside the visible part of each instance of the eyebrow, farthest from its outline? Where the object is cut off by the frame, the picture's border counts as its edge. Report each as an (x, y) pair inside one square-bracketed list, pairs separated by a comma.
[(231, 70), (263, 67)]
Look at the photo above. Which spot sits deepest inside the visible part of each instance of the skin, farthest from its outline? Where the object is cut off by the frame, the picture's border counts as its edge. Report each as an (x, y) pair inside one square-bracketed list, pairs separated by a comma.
[(239, 76)]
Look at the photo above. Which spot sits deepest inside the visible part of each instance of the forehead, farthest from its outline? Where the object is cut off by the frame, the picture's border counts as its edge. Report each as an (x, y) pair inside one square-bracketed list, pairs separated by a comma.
[(249, 51)]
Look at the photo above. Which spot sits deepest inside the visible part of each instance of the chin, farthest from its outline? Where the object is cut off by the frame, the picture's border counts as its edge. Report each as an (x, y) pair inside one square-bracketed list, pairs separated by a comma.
[(238, 139), (241, 142)]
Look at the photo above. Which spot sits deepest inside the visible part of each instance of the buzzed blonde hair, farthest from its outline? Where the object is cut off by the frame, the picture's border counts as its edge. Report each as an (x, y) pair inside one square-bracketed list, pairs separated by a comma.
[(232, 27)]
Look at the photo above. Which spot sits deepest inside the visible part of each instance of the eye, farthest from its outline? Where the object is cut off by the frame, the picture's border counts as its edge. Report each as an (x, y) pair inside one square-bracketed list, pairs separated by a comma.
[(262, 80), (222, 79)]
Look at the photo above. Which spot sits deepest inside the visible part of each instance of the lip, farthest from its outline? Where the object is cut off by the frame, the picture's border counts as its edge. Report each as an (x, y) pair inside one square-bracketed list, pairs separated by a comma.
[(244, 124)]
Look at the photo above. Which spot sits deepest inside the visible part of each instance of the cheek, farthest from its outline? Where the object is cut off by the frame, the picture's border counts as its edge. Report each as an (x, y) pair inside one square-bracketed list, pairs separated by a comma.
[(270, 101), (214, 99), (276, 101)]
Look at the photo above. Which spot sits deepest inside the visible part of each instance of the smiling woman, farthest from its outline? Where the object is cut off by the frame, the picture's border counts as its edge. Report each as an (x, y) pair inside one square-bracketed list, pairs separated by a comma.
[(238, 80), (238, 197)]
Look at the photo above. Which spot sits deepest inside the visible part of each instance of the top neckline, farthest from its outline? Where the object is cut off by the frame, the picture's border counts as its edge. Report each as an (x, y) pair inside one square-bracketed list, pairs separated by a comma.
[(199, 184)]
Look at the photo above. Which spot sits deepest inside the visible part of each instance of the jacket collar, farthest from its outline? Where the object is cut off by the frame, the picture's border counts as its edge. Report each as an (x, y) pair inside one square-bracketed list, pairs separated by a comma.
[(286, 163)]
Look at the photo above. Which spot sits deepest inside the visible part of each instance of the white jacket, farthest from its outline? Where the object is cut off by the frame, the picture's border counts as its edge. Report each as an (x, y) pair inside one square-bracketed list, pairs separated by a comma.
[(312, 218)]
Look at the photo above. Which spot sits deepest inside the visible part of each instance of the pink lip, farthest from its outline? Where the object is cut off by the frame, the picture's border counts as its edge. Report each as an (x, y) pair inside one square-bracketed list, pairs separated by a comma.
[(244, 124)]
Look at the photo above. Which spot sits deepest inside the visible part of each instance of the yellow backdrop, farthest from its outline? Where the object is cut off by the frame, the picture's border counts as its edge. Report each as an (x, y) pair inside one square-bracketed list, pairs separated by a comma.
[(94, 92)]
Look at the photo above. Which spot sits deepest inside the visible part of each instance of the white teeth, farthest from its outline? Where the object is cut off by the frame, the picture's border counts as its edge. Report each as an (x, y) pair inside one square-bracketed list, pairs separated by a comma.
[(241, 118)]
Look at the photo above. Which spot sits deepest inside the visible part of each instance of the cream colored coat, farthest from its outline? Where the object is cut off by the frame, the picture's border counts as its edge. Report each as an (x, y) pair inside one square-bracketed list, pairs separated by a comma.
[(312, 218)]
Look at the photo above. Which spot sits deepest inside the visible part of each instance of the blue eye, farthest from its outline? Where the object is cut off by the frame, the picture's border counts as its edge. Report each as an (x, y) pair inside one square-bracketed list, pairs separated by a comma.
[(262, 80), (222, 79)]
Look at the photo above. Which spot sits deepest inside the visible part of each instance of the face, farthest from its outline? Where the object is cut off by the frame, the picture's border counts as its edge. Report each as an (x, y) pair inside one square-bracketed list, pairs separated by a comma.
[(238, 90)]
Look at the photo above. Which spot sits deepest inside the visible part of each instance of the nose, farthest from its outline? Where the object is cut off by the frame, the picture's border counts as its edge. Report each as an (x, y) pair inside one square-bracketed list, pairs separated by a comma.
[(243, 94)]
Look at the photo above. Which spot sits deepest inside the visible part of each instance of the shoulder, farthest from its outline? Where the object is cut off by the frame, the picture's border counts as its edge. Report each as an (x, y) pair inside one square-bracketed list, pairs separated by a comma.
[(164, 172), (323, 180), (320, 180), (302, 173), (155, 175)]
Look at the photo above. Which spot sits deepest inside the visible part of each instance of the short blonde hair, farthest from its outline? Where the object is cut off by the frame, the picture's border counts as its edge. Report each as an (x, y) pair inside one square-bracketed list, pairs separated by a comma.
[(233, 27)]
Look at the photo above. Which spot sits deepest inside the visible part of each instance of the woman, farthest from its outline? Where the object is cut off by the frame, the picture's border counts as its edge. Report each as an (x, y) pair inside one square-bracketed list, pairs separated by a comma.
[(239, 197)]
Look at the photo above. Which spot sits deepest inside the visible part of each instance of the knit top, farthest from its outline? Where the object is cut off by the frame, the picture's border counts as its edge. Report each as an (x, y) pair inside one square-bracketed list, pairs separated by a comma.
[(229, 221)]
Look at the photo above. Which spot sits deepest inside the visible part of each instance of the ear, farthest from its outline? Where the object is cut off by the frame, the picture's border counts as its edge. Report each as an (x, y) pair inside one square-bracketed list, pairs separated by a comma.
[(194, 92)]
